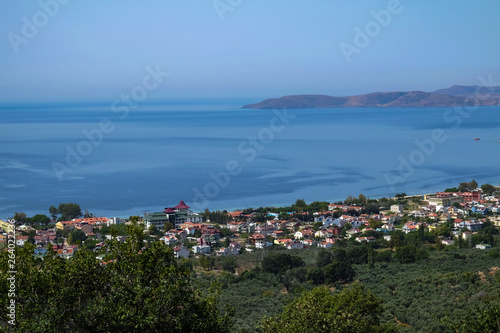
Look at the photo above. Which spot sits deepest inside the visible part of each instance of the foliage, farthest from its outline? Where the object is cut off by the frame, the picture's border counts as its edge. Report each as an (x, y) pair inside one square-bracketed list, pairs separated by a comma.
[(409, 254), (353, 310), (488, 189), (40, 219), (76, 236), (485, 319), (280, 262), (229, 264), (69, 211), (143, 290), (20, 217)]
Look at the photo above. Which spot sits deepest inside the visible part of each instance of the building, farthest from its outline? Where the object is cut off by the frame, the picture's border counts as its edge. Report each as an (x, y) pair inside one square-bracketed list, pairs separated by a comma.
[(470, 196), (181, 252), (177, 215), (397, 208), (444, 201)]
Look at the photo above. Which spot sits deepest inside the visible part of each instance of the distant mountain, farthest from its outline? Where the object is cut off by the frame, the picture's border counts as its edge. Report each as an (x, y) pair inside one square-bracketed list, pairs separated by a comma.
[(450, 97), (469, 91)]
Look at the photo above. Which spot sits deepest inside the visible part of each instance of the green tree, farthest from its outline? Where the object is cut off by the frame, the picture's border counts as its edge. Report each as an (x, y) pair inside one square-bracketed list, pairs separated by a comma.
[(53, 211), (488, 189), (142, 290), (229, 264), (76, 237), (167, 226), (20, 217), (40, 219), (69, 211), (483, 319), (320, 311), (280, 262)]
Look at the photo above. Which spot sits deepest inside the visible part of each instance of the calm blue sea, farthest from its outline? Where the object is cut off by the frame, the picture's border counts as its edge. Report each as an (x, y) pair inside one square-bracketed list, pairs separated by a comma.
[(218, 156)]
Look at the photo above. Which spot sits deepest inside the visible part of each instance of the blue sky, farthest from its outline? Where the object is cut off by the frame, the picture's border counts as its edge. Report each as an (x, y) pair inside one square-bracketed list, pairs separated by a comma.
[(97, 50)]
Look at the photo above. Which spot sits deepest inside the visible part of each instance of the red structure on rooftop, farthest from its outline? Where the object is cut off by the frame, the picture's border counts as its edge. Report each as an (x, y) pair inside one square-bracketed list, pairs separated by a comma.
[(182, 205)]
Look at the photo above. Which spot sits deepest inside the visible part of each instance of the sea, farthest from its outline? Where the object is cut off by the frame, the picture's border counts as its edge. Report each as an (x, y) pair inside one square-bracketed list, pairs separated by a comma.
[(214, 154)]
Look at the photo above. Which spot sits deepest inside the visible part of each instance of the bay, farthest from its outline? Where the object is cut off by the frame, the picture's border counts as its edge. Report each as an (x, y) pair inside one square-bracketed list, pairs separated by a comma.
[(212, 154)]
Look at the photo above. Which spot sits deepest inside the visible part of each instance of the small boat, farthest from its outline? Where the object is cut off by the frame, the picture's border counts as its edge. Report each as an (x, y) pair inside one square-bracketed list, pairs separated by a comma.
[(477, 139)]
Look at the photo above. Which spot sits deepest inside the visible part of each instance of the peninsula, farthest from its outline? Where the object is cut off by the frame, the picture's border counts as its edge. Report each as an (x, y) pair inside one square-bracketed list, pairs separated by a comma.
[(449, 97)]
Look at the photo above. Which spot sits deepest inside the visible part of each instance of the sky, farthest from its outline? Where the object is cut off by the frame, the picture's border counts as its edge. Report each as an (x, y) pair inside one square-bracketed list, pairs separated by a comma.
[(96, 50)]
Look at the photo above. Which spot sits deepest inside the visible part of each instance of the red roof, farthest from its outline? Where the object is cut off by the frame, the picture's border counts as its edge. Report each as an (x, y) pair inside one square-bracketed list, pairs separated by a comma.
[(169, 210), (181, 205)]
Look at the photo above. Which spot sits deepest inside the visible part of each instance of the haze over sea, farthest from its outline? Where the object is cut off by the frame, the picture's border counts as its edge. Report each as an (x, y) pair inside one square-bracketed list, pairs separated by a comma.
[(160, 154)]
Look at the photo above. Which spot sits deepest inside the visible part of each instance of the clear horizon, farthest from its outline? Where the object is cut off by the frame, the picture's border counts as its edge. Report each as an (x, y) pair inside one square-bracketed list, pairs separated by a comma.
[(62, 50)]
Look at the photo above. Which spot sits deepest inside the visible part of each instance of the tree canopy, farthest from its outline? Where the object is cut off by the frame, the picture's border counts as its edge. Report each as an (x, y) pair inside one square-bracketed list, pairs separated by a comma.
[(137, 289), (318, 311)]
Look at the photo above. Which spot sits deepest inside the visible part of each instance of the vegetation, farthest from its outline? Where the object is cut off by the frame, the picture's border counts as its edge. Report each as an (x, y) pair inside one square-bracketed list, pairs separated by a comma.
[(138, 290), (320, 311)]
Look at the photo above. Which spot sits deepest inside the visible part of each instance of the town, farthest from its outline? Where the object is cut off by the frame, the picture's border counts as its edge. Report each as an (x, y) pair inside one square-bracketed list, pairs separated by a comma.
[(449, 218)]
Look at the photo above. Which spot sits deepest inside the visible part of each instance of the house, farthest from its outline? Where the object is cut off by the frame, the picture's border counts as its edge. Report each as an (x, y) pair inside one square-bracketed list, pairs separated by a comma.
[(234, 248), (254, 238), (308, 242), (39, 252), (260, 244), (470, 196), (65, 225), (410, 227), (223, 251), (169, 240), (366, 239), (294, 245), (181, 252), (325, 245), (471, 225), (21, 240), (43, 237), (298, 235), (281, 241), (447, 241), (278, 234), (201, 249), (352, 232), (85, 227), (397, 208)]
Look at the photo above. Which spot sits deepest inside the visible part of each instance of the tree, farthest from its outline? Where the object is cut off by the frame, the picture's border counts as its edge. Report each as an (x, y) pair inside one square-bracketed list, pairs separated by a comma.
[(53, 211), (362, 199), (473, 184), (277, 263), (488, 189), (205, 262), (229, 264), (167, 226), (69, 211), (40, 219), (138, 290), (484, 319), (76, 237), (20, 217), (320, 311)]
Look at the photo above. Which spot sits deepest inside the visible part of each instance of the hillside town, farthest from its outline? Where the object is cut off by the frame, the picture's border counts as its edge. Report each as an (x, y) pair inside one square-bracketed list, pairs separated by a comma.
[(453, 218)]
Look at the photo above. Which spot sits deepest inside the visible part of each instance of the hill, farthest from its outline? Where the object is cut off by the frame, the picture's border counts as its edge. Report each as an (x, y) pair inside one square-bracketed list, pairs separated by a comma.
[(450, 97)]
